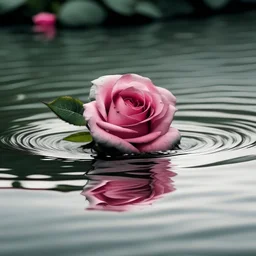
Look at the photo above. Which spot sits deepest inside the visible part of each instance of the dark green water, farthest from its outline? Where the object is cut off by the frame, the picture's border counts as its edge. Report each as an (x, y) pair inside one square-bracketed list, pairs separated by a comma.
[(200, 200)]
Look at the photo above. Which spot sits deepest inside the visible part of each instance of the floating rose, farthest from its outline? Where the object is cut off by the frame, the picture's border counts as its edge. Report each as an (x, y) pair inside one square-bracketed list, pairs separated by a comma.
[(45, 23), (131, 114), (127, 114), (44, 19), (122, 185)]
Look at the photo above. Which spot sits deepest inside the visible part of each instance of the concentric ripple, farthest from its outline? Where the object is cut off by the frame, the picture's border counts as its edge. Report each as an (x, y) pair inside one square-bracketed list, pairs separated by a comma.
[(45, 138), (202, 143), (214, 144), (205, 138)]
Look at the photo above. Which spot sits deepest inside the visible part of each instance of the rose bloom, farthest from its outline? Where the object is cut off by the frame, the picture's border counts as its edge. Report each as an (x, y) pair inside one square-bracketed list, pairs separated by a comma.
[(44, 19), (45, 23), (131, 114), (132, 185)]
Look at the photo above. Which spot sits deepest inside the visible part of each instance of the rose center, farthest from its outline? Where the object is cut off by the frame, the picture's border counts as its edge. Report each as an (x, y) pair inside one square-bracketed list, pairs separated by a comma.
[(132, 102)]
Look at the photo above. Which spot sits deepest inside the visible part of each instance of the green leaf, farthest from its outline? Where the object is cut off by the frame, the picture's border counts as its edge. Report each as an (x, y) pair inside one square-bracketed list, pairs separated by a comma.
[(9, 5), (55, 7), (81, 13), (36, 6), (79, 137), (177, 7), (216, 4), (148, 9), (123, 7), (68, 109)]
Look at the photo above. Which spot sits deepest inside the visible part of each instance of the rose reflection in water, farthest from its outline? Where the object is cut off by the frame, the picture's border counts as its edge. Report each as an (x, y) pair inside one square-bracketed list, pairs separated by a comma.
[(125, 184), (47, 32)]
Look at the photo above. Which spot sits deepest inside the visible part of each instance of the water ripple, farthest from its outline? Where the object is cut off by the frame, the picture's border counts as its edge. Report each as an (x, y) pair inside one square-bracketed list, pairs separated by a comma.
[(216, 135), (45, 138)]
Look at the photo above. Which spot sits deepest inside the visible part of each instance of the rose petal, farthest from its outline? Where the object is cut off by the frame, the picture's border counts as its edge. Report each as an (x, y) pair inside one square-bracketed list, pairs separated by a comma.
[(141, 129), (155, 103), (156, 108), (115, 115), (133, 100), (92, 116), (144, 139), (164, 142), (121, 114), (171, 98), (158, 105), (101, 82), (44, 18), (123, 132), (163, 124), (140, 132), (101, 91), (147, 107), (161, 115), (126, 108), (114, 128), (139, 82)]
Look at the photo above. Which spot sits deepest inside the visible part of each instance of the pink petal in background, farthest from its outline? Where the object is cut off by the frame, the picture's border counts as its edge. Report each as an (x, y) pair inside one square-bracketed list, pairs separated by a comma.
[(44, 23)]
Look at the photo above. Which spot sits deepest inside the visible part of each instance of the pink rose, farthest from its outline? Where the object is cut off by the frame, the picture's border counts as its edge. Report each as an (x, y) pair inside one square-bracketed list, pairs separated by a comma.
[(120, 185), (44, 19), (131, 114), (45, 23)]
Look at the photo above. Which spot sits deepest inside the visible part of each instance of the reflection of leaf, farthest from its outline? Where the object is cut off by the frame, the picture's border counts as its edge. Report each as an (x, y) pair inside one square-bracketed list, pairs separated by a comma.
[(9, 5), (68, 109), (67, 188), (79, 137), (81, 13)]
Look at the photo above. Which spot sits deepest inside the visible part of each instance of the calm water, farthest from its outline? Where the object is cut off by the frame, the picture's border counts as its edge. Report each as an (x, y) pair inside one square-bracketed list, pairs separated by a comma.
[(198, 200)]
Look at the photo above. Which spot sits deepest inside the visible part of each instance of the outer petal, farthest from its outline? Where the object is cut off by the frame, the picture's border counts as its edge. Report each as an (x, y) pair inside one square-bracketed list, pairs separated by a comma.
[(102, 81), (133, 80), (115, 128), (146, 138), (101, 91), (171, 98), (163, 124), (92, 116), (164, 142), (140, 129)]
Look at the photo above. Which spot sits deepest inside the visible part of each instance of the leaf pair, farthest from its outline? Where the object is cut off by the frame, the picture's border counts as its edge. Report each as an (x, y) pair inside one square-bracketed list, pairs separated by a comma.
[(71, 111)]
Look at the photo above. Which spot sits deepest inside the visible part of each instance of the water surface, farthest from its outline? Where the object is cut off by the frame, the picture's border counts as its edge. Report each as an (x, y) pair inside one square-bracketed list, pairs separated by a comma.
[(197, 200)]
